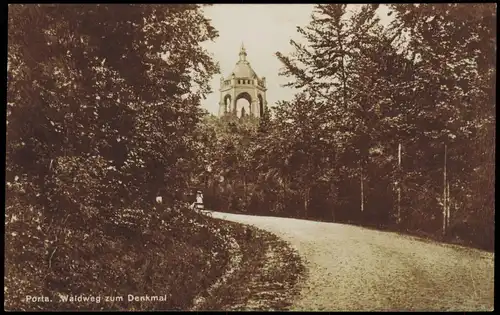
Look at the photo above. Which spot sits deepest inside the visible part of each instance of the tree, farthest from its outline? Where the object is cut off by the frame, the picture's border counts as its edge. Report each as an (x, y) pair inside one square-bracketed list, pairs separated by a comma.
[(95, 97), (345, 67), (452, 47), (102, 101), (417, 84)]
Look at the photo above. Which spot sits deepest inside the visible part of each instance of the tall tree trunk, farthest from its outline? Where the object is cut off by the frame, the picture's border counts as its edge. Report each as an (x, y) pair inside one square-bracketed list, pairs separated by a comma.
[(399, 184), (308, 187), (362, 189), (334, 197), (283, 195), (306, 201), (448, 204), (245, 191), (445, 201)]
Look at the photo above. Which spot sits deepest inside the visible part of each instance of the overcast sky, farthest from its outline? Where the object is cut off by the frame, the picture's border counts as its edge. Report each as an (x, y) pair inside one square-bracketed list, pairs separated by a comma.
[(264, 29)]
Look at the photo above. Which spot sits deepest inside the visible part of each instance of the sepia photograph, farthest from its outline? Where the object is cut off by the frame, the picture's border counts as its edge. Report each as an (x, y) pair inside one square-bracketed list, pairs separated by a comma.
[(334, 157)]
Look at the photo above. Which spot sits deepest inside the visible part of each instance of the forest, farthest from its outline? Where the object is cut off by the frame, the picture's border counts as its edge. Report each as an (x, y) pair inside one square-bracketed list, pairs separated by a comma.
[(393, 128)]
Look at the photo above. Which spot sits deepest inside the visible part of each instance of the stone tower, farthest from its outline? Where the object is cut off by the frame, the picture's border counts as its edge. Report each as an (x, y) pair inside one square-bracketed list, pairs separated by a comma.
[(243, 82)]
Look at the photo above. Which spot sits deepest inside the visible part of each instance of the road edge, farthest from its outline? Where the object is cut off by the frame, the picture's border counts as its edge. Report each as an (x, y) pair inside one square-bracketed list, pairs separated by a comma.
[(267, 277)]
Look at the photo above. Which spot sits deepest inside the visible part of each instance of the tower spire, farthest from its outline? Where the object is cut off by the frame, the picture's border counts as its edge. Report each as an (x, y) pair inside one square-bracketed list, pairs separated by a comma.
[(243, 52)]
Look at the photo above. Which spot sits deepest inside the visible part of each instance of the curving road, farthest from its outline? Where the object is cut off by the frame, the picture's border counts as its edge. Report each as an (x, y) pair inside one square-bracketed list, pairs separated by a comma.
[(352, 268)]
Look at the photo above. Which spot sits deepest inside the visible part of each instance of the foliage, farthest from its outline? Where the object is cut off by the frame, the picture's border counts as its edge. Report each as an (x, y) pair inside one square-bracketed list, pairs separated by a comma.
[(424, 82), (102, 104)]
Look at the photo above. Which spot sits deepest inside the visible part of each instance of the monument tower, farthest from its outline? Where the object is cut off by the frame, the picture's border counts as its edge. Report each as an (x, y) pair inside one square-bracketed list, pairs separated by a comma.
[(244, 83)]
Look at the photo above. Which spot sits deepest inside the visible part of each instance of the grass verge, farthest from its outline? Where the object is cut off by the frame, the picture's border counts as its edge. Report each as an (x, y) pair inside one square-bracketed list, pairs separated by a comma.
[(265, 275), (162, 263)]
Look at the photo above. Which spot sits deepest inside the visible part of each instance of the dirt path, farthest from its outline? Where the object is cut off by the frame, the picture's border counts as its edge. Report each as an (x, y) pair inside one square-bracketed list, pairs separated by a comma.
[(352, 268)]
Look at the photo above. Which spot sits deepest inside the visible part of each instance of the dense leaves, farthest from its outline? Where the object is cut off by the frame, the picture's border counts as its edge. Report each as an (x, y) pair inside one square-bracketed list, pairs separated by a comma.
[(425, 83), (102, 105)]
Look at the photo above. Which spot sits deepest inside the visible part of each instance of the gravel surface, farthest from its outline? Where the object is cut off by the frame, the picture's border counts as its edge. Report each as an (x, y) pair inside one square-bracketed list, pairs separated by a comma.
[(352, 269)]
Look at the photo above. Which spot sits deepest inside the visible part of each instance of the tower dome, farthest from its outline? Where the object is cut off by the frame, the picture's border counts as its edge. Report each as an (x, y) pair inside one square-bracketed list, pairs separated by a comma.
[(242, 69)]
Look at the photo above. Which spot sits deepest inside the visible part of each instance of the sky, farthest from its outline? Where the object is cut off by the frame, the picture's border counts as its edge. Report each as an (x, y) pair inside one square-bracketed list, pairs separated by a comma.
[(264, 29)]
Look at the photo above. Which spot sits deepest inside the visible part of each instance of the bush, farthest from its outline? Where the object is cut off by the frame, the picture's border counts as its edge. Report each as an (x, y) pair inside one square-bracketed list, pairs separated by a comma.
[(174, 252)]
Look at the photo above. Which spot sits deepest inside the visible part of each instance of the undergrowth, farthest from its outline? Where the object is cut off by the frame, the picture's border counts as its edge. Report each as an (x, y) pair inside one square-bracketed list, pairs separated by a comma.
[(173, 253)]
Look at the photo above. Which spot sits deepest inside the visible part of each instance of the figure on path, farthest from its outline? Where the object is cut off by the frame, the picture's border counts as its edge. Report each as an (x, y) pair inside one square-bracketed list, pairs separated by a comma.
[(199, 201)]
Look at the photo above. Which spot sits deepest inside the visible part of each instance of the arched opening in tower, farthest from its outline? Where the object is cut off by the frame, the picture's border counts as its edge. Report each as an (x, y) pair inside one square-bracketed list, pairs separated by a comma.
[(227, 103), (242, 107), (261, 106), (243, 102)]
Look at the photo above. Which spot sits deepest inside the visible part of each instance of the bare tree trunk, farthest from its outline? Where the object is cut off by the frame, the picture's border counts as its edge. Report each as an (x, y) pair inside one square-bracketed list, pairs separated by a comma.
[(334, 197), (362, 190), (245, 191), (283, 197), (399, 184), (445, 201), (306, 202), (448, 204)]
